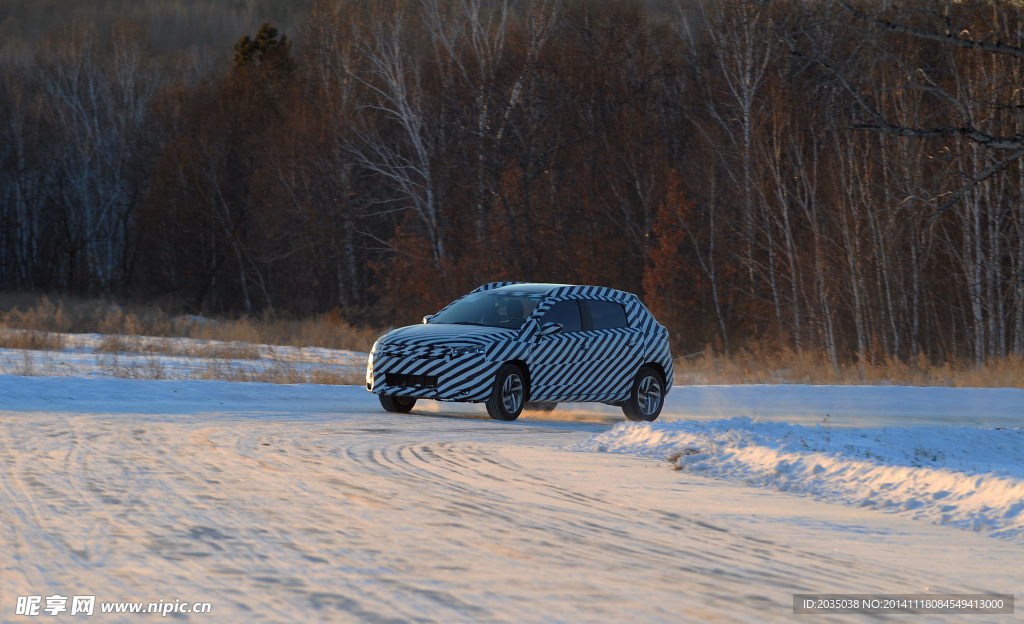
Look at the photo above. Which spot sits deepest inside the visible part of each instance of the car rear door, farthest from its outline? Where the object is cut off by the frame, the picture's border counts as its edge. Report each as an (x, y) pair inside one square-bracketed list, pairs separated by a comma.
[(613, 351), (555, 359)]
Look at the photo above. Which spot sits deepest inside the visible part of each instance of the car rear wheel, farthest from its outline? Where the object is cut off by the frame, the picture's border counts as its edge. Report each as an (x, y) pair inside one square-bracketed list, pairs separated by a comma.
[(509, 394), (647, 396), (397, 404)]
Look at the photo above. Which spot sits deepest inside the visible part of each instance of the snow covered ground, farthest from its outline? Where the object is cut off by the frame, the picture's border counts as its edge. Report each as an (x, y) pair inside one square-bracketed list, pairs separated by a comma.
[(303, 503), (147, 357), (845, 406), (965, 477), (858, 406)]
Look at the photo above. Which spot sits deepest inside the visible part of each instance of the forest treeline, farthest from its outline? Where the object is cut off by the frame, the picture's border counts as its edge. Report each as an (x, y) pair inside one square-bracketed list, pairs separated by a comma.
[(829, 177)]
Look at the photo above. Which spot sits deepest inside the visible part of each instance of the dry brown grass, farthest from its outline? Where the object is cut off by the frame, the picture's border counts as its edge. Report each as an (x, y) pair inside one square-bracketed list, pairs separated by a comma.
[(133, 340), (277, 373), (758, 364), (30, 339), (69, 315), (117, 343), (280, 373)]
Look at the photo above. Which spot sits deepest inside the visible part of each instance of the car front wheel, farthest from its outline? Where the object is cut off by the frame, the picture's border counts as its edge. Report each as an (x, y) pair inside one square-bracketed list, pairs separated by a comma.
[(508, 395), (397, 404), (647, 396)]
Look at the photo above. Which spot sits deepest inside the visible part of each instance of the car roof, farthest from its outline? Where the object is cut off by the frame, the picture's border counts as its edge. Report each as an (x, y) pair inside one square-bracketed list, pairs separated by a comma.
[(560, 290), (529, 288)]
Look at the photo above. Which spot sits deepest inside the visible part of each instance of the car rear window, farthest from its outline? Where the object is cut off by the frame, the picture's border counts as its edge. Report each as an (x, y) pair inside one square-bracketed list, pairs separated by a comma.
[(607, 314), (567, 313)]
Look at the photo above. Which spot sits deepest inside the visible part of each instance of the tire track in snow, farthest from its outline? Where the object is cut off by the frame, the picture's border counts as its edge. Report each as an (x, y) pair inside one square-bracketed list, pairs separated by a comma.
[(380, 518), (586, 527)]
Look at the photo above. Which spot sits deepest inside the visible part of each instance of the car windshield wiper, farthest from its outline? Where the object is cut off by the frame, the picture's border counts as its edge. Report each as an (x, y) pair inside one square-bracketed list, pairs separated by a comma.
[(469, 323)]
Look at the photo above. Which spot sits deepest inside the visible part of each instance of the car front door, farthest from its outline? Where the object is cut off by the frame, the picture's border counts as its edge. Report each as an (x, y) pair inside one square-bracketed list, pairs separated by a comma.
[(613, 351), (556, 359)]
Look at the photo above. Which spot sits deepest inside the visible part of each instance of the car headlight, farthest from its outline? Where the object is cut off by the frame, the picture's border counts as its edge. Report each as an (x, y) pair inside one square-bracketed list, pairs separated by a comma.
[(373, 349), (461, 351)]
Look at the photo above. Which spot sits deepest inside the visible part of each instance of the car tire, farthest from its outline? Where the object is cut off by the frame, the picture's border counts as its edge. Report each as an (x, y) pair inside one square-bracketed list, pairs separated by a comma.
[(508, 397), (646, 397), (397, 404)]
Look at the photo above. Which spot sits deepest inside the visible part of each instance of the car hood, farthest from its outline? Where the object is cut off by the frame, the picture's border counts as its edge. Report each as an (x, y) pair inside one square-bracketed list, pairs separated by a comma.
[(447, 335)]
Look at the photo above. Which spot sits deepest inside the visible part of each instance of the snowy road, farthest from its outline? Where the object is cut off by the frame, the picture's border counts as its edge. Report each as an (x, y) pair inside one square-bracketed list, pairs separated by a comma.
[(305, 503)]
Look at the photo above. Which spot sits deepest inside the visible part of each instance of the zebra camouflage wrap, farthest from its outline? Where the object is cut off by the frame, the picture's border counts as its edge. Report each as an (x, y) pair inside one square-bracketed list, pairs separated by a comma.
[(458, 362)]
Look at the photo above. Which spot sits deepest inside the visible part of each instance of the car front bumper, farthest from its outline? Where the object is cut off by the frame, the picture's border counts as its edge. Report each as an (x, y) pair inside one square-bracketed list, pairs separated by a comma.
[(467, 378)]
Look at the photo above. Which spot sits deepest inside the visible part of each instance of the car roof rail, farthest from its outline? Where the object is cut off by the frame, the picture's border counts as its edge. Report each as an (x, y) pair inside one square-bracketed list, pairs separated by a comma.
[(494, 285)]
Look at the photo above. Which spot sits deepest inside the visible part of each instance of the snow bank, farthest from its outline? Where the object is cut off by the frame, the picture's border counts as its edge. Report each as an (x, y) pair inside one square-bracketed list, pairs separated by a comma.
[(967, 477), (855, 406), (148, 357)]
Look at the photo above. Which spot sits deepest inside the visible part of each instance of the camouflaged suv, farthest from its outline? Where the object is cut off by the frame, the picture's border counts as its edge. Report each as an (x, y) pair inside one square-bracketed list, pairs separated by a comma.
[(506, 344)]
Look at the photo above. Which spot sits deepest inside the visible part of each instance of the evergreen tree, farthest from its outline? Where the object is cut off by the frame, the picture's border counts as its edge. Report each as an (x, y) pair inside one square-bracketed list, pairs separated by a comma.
[(265, 52)]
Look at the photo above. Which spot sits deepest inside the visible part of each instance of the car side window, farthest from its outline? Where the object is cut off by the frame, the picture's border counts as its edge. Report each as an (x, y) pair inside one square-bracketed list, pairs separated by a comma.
[(566, 313), (607, 314)]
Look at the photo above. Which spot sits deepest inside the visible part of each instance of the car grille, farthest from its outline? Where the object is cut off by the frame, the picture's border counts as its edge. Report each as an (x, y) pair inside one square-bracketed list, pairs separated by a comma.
[(401, 380), (417, 351)]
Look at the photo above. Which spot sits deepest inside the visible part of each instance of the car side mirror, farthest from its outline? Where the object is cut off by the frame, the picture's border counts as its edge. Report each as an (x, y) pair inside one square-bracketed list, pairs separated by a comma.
[(550, 329), (427, 318)]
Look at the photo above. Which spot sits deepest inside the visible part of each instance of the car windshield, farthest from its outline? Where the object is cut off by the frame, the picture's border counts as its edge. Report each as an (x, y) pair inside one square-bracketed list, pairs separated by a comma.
[(508, 310)]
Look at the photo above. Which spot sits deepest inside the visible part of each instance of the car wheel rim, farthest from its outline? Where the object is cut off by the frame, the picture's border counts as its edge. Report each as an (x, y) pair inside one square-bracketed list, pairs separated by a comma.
[(649, 396), (512, 393)]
